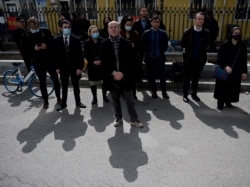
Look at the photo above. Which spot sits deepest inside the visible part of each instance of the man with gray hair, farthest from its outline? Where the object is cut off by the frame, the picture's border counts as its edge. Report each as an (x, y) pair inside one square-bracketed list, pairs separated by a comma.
[(119, 72)]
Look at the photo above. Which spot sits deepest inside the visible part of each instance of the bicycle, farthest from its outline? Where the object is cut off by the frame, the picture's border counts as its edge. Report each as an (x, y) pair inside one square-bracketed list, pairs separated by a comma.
[(171, 45), (13, 81)]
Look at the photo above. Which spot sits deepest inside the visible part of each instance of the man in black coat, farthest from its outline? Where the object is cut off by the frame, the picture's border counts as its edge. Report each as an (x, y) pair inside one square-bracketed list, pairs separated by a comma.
[(36, 46), (69, 57), (194, 43), (140, 26), (119, 70)]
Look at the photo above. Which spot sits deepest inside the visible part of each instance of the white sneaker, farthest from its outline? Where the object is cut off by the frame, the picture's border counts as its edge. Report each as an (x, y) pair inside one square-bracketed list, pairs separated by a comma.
[(136, 123), (118, 122)]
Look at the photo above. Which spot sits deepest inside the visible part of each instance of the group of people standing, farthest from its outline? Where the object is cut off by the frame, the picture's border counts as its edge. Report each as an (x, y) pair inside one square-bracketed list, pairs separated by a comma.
[(115, 56)]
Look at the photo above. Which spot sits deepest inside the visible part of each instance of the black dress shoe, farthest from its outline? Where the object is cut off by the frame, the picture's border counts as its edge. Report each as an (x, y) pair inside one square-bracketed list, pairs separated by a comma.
[(94, 101), (81, 105), (165, 96), (45, 105), (58, 101), (154, 96), (185, 99), (195, 97), (105, 99), (229, 105), (60, 107), (220, 106)]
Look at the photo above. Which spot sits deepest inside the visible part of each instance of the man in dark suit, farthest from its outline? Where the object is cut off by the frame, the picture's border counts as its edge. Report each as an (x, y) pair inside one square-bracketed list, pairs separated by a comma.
[(118, 63), (69, 58), (143, 23), (195, 42)]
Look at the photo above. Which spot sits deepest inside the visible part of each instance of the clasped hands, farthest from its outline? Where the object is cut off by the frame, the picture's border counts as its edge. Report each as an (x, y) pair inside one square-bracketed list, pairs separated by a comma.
[(117, 75)]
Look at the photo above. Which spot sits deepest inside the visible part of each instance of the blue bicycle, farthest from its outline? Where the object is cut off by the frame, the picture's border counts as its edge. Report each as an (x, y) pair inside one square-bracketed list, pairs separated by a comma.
[(13, 81)]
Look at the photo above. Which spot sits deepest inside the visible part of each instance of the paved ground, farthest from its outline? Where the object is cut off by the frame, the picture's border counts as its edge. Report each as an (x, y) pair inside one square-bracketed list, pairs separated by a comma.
[(191, 145)]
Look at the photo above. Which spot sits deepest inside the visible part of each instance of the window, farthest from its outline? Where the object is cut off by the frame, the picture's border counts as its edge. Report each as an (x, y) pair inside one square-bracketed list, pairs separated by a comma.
[(91, 9), (200, 5), (242, 9), (126, 7)]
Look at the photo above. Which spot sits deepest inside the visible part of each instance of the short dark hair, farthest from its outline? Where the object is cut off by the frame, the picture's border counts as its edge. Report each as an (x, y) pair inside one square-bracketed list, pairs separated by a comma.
[(154, 18), (199, 12), (64, 22)]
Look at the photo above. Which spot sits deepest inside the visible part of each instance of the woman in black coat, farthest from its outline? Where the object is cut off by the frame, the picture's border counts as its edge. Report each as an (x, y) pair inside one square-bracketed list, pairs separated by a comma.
[(95, 68), (228, 91)]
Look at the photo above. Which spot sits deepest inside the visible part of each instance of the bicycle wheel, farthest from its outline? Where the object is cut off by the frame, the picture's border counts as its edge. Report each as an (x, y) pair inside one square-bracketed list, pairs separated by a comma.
[(34, 86), (10, 81)]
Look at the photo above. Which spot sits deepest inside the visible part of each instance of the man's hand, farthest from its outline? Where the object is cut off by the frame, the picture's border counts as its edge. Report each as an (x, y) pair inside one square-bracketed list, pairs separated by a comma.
[(228, 69), (244, 76), (97, 62), (117, 75), (78, 72)]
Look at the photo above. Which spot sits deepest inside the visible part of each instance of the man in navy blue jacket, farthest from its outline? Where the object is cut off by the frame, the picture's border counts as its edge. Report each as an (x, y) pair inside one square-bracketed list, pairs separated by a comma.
[(155, 42)]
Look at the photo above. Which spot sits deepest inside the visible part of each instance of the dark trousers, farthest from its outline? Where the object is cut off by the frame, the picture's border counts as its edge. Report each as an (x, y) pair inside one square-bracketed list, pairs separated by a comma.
[(41, 70), (156, 69), (64, 75), (192, 73), (128, 96)]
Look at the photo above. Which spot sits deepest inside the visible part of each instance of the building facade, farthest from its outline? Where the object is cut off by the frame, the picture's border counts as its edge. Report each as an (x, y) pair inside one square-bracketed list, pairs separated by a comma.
[(177, 15)]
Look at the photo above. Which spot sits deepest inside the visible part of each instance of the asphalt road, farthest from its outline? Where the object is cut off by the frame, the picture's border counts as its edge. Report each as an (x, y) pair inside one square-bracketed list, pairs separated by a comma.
[(181, 145)]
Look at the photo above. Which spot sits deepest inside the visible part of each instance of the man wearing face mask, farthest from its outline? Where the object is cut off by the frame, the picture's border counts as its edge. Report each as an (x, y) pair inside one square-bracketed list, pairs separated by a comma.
[(69, 57), (36, 46)]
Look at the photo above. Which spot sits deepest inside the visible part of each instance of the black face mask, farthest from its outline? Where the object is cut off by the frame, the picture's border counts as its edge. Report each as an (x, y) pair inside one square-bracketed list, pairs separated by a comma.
[(236, 37)]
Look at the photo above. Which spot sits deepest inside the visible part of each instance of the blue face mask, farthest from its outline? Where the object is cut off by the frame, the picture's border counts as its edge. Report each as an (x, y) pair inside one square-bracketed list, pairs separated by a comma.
[(34, 30), (66, 31), (95, 35), (128, 28)]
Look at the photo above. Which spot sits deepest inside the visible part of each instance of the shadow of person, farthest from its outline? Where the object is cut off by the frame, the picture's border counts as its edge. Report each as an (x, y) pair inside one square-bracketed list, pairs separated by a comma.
[(127, 153), (38, 130), (164, 110), (225, 120), (167, 112), (69, 128), (15, 99), (101, 117)]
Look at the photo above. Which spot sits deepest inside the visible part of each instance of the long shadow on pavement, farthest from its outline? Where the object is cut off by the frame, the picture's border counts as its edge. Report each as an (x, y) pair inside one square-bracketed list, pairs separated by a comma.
[(225, 119), (70, 128), (127, 153), (37, 130), (164, 110), (101, 117)]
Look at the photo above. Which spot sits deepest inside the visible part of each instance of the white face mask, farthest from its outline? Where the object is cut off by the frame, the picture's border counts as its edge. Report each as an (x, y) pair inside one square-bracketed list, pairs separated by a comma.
[(34, 30), (128, 28), (66, 31)]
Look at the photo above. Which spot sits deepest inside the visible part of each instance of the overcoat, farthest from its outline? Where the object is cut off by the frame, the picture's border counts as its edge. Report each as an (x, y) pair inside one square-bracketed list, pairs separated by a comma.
[(229, 91), (126, 64)]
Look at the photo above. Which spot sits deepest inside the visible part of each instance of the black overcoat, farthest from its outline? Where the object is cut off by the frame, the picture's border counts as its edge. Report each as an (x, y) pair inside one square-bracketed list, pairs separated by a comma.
[(229, 91), (127, 64), (92, 52)]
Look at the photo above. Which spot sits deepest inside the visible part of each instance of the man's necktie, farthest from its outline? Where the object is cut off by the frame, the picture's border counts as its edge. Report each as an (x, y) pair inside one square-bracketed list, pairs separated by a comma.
[(155, 43), (66, 42)]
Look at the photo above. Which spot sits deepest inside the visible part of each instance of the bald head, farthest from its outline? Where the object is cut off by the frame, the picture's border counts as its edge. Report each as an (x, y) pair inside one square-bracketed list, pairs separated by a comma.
[(114, 28)]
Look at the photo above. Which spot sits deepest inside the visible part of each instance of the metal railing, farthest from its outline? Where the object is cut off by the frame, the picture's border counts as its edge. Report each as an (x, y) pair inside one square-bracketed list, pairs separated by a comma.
[(176, 19)]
